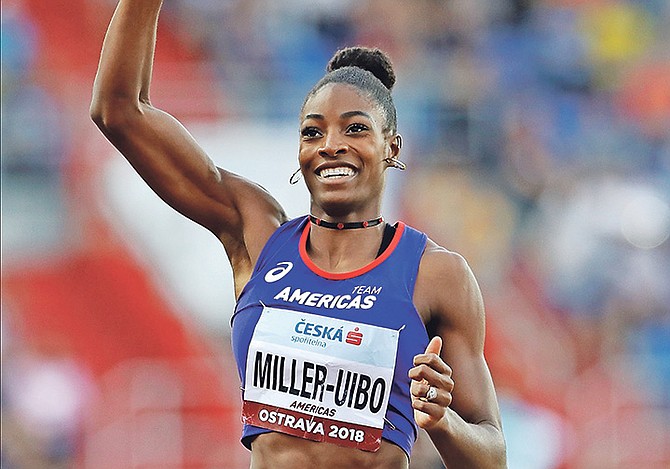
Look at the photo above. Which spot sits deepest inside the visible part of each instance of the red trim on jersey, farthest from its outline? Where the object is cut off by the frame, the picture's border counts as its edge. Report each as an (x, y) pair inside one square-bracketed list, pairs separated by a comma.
[(354, 273)]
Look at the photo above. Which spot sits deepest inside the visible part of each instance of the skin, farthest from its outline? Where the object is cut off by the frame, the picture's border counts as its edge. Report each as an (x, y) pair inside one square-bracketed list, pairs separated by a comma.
[(340, 128)]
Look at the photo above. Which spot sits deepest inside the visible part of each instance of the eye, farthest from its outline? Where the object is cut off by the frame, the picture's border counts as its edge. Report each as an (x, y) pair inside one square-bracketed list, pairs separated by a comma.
[(310, 132), (357, 128)]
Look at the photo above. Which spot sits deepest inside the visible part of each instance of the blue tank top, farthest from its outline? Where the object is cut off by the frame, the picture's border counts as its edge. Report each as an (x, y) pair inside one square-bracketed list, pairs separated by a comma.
[(293, 317)]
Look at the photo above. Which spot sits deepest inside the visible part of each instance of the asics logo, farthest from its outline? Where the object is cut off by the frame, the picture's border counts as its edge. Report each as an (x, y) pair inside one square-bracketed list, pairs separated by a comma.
[(278, 272)]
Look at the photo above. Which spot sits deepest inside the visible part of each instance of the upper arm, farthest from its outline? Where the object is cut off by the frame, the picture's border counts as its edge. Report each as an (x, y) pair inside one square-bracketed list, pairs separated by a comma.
[(456, 310), (240, 213)]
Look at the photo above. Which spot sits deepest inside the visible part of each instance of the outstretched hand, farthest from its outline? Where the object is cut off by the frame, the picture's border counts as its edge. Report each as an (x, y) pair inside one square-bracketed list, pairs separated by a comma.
[(430, 371)]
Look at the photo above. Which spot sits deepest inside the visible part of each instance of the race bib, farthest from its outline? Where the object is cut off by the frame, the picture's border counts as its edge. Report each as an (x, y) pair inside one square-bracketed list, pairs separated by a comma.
[(319, 378)]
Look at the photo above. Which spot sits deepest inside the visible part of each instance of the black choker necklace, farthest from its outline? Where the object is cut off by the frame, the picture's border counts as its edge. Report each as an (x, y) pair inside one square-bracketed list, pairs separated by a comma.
[(352, 225)]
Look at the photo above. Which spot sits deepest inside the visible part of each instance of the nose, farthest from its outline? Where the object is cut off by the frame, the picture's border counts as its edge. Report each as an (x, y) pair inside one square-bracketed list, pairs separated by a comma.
[(333, 145)]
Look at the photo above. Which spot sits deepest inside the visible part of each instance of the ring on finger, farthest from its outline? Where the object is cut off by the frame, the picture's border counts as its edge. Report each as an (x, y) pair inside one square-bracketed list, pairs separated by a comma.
[(431, 394)]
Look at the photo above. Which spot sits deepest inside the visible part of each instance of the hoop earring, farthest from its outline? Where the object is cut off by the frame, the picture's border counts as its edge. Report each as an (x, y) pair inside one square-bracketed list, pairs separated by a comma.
[(295, 177), (395, 163)]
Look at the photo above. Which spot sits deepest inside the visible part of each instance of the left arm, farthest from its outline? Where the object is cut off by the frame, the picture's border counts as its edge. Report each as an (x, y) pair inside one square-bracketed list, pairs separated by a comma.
[(463, 421)]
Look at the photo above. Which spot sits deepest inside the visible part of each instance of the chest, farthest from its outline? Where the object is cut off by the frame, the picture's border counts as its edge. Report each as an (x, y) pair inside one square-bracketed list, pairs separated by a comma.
[(377, 297)]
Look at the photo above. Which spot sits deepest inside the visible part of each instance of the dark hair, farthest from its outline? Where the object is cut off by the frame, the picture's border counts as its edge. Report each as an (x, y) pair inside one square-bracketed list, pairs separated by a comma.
[(367, 69)]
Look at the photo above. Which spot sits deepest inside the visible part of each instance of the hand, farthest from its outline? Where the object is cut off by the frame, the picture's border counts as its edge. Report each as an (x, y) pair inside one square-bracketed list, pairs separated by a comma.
[(430, 371)]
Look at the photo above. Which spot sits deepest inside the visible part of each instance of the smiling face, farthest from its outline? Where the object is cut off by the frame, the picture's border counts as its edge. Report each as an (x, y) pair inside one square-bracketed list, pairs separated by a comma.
[(342, 147)]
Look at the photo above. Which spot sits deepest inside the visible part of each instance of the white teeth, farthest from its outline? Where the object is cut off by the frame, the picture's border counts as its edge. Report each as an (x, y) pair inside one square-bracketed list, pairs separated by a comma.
[(336, 172)]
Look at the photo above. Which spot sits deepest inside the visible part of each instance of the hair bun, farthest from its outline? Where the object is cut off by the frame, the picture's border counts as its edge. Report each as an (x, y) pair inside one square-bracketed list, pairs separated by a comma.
[(374, 61)]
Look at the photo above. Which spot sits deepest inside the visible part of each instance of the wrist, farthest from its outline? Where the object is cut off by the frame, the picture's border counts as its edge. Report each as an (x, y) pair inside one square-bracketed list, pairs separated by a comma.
[(444, 428)]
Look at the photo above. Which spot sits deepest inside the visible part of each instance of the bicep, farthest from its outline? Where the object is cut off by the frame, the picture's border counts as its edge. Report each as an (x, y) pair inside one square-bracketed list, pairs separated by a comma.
[(178, 170), (167, 157), (172, 163), (473, 395), (458, 312)]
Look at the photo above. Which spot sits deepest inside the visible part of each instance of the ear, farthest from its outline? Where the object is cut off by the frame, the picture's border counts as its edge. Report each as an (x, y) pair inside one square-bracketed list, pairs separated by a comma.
[(395, 146)]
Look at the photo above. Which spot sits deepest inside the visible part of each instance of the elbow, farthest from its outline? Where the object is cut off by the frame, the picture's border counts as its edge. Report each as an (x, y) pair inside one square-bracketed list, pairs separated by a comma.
[(497, 448), (502, 460), (97, 113), (112, 115), (501, 453)]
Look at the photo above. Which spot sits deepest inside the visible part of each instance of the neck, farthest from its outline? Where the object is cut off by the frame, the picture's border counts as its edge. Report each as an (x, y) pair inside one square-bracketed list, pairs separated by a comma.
[(350, 225), (345, 249)]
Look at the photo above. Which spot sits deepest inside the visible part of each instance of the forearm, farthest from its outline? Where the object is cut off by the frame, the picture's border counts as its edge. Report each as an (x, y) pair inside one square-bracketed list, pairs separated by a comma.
[(126, 61), (463, 445), (158, 147)]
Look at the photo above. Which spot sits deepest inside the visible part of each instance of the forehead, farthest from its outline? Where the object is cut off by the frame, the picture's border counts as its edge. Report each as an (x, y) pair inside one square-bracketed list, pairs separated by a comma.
[(335, 99)]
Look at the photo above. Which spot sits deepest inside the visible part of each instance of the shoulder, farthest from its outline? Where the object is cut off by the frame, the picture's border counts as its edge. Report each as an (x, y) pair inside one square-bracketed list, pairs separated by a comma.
[(447, 292), (438, 260), (446, 267)]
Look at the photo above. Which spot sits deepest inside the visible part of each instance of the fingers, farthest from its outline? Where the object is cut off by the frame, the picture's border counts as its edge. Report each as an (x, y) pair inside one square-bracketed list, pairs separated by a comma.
[(433, 361), (444, 386), (430, 367), (434, 346), (431, 371), (435, 374), (419, 391), (435, 409)]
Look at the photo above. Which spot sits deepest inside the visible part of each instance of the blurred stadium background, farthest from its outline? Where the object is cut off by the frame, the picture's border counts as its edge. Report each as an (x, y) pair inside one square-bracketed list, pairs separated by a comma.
[(538, 140)]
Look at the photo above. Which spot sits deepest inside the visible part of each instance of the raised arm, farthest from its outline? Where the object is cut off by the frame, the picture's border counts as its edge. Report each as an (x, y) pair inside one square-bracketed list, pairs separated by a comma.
[(241, 214), (463, 421)]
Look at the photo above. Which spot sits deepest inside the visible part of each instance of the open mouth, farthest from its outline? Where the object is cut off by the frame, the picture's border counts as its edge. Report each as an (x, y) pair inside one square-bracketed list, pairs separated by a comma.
[(336, 173)]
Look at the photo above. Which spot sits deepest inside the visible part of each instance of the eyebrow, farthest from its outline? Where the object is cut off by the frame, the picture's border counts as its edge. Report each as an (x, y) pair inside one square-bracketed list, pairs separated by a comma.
[(344, 115)]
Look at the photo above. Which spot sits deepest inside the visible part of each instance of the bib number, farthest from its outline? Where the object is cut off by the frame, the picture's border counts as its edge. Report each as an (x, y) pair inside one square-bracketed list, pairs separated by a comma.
[(319, 378)]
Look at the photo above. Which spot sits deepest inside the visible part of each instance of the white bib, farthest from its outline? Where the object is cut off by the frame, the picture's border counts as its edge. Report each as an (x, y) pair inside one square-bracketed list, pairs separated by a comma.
[(319, 378)]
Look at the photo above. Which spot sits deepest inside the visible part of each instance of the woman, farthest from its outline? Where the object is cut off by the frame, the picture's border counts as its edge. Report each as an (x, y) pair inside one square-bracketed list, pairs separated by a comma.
[(333, 310)]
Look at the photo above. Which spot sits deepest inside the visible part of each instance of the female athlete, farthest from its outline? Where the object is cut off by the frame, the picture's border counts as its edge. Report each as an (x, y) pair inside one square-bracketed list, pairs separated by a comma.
[(335, 309)]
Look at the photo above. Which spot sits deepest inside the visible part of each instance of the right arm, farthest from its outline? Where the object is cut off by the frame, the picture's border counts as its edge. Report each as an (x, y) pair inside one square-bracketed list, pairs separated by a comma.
[(240, 213)]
